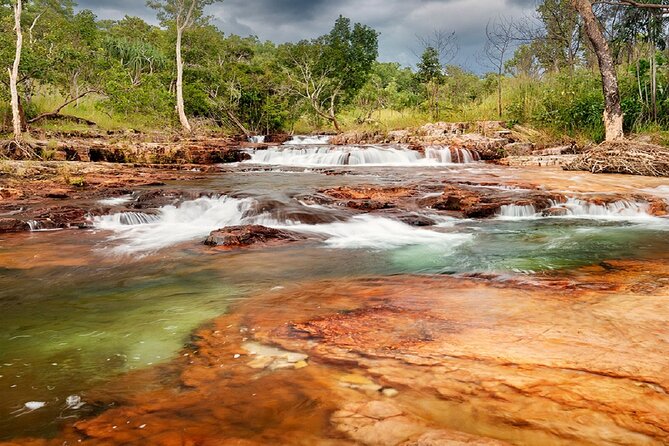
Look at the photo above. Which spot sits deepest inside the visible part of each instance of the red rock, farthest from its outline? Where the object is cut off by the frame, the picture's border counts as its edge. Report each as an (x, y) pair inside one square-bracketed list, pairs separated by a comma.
[(13, 225), (244, 236)]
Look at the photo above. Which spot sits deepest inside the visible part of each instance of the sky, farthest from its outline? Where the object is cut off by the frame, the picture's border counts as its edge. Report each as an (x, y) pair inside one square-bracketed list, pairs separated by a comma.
[(398, 21)]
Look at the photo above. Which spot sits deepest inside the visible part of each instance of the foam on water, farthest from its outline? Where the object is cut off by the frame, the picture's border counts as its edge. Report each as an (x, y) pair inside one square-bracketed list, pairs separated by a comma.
[(576, 208), (372, 232), (618, 210), (514, 211), (446, 155), (116, 201), (190, 220), (308, 140), (359, 156), (258, 139)]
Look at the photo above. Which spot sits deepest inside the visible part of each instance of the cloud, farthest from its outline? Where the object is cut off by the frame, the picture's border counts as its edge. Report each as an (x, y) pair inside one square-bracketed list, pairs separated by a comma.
[(398, 21)]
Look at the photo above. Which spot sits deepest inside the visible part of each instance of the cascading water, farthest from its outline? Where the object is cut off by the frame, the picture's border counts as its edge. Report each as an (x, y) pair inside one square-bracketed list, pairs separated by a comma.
[(358, 156), (575, 207), (131, 218), (517, 211), (339, 156), (308, 140), (34, 225), (116, 201), (190, 220), (258, 139), (139, 232), (448, 155)]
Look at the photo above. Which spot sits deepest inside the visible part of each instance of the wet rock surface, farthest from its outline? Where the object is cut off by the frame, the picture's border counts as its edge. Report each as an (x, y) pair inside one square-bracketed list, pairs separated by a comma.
[(250, 235), (576, 358)]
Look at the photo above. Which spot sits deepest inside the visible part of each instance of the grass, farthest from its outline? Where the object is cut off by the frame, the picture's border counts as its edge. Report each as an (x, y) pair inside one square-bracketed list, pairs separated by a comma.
[(88, 108)]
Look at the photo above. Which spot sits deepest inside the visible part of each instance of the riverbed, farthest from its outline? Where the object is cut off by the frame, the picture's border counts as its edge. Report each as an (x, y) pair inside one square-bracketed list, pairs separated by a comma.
[(525, 327)]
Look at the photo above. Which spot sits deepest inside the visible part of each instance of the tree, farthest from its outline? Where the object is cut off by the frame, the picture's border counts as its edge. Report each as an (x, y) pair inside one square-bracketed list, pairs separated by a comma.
[(182, 14), (430, 73), (613, 115), (14, 71), (561, 42), (328, 72), (500, 35)]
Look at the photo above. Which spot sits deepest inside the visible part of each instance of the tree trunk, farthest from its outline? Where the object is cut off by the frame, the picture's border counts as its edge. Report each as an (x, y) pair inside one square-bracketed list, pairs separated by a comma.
[(181, 111), (14, 73), (613, 115), (653, 79), (499, 94)]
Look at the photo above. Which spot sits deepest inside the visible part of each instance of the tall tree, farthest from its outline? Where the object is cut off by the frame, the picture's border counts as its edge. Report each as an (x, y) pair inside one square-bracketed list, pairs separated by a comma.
[(328, 72), (439, 49), (431, 75), (500, 39), (613, 115), (14, 71), (182, 14)]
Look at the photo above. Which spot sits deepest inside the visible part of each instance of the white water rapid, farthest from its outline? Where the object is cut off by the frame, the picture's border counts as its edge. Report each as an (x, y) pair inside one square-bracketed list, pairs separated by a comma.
[(578, 208), (139, 232), (135, 232), (359, 156)]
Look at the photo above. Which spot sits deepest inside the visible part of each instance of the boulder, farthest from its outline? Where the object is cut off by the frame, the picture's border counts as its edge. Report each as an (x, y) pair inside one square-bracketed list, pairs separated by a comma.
[(248, 235)]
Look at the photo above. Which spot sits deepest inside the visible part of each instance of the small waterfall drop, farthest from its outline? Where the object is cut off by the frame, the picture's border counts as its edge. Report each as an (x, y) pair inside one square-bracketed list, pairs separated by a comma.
[(359, 156), (514, 211), (131, 218), (575, 207), (190, 220), (334, 156), (298, 140), (257, 139), (34, 225), (448, 155)]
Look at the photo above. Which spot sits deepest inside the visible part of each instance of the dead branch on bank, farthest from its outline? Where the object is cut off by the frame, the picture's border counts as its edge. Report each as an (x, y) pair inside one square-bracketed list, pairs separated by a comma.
[(626, 157), (17, 150)]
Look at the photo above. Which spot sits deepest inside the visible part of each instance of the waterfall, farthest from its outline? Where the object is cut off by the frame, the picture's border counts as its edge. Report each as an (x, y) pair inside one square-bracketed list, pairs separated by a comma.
[(129, 218), (34, 225), (358, 156), (258, 139), (448, 155), (575, 207), (299, 140), (191, 220), (517, 211), (115, 201), (334, 156)]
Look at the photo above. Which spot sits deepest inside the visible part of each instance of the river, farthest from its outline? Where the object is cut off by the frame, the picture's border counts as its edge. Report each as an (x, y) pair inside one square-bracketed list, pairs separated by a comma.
[(81, 310)]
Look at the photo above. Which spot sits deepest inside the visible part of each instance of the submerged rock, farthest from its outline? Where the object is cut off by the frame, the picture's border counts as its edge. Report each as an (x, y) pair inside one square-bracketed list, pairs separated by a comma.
[(243, 236)]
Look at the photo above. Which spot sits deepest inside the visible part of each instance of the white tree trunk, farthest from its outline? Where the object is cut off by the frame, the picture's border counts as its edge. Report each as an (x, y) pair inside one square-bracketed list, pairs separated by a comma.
[(180, 88), (14, 72)]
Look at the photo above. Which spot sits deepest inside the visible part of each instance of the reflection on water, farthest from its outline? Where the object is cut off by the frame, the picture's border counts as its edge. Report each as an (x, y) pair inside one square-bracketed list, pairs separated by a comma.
[(78, 308)]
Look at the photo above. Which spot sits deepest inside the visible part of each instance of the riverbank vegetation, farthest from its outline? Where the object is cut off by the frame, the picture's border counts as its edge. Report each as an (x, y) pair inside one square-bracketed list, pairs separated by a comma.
[(77, 70)]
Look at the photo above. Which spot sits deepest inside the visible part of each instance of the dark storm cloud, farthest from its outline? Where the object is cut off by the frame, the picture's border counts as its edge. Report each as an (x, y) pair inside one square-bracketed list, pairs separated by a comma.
[(398, 21)]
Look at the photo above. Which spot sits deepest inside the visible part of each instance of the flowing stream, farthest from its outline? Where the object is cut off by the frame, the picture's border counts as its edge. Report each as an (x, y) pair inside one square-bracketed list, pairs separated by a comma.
[(80, 308)]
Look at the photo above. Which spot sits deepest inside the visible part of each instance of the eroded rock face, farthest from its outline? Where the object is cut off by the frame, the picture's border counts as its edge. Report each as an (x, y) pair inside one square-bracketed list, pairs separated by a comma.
[(575, 359), (250, 235), (485, 201), (13, 225)]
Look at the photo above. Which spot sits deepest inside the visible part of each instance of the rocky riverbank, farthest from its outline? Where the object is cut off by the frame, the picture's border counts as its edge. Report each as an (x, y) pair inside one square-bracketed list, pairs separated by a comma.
[(573, 359)]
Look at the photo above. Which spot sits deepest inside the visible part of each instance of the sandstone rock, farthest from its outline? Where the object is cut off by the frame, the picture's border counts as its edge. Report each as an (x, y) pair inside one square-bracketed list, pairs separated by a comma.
[(13, 225), (243, 236), (518, 149)]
